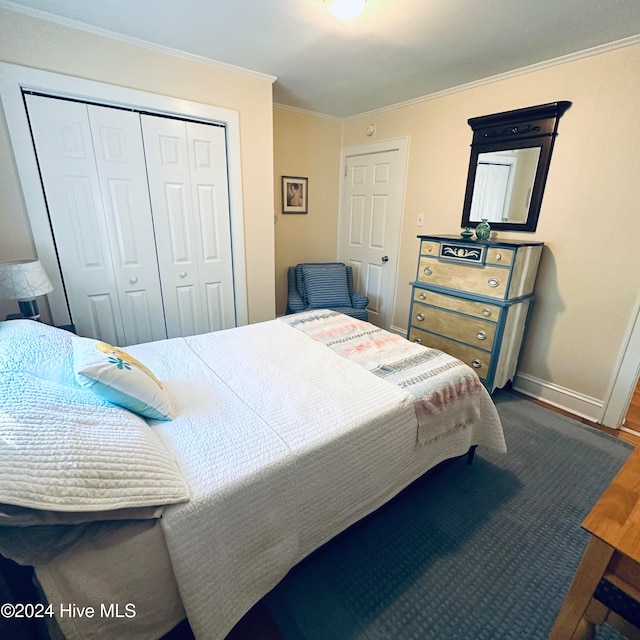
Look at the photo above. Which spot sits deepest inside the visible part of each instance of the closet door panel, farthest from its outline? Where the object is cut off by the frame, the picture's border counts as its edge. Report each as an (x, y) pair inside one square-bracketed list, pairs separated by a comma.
[(187, 304), (187, 169), (178, 214), (122, 173), (216, 308), (209, 183), (62, 139), (172, 210), (103, 318)]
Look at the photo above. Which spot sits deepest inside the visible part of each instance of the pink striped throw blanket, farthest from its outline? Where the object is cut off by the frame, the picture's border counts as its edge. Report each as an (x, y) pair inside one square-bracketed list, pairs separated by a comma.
[(446, 392)]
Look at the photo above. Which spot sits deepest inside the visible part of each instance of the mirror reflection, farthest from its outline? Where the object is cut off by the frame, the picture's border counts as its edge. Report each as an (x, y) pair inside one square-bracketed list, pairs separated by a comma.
[(503, 185), (510, 158)]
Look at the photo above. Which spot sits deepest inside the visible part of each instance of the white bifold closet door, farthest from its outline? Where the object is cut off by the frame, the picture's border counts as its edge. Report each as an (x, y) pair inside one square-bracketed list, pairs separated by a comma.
[(187, 169), (141, 225)]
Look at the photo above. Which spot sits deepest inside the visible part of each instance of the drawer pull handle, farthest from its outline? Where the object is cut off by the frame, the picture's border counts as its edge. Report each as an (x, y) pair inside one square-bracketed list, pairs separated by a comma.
[(498, 257), (133, 279), (493, 282), (486, 312), (422, 296), (420, 317), (476, 364), (481, 335), (417, 340), (428, 271), (183, 274)]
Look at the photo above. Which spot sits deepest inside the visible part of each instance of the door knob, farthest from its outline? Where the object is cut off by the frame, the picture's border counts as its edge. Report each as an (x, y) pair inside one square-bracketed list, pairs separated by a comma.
[(385, 259)]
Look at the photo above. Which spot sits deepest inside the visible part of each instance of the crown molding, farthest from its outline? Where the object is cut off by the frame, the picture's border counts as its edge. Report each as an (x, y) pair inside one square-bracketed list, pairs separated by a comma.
[(138, 42), (306, 112), (74, 24), (587, 53)]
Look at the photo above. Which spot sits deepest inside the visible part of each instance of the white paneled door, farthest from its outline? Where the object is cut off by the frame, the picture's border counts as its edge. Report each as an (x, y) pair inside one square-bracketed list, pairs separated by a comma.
[(141, 227), (186, 164), (369, 228), (125, 196), (491, 191), (63, 142)]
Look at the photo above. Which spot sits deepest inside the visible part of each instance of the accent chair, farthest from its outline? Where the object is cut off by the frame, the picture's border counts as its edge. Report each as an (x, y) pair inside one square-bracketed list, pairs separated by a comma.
[(325, 285)]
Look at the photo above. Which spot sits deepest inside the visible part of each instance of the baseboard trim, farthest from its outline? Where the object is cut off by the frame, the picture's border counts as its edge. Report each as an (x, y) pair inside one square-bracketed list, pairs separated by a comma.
[(399, 330), (576, 403), (566, 399)]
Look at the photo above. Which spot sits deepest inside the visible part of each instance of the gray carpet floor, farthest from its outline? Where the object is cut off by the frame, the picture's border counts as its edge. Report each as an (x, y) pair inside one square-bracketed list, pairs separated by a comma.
[(481, 552)]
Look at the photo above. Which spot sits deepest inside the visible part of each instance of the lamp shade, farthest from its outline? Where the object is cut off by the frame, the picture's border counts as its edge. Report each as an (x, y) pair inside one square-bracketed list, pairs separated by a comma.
[(23, 280)]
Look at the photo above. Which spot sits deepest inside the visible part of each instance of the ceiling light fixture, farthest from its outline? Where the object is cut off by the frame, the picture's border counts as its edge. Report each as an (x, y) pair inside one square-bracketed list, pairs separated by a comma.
[(345, 9)]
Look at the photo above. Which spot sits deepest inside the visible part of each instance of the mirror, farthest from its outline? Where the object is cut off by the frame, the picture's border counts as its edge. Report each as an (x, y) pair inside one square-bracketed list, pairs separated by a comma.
[(510, 157)]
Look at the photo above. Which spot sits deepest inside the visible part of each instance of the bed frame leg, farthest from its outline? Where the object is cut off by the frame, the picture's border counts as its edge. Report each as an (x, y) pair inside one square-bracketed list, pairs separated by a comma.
[(471, 453)]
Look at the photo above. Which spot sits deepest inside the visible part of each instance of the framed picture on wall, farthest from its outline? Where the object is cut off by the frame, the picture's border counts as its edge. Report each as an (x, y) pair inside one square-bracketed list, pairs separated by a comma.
[(295, 194)]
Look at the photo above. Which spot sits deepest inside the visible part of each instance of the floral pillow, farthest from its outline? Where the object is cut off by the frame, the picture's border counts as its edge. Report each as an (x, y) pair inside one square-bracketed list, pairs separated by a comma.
[(116, 376)]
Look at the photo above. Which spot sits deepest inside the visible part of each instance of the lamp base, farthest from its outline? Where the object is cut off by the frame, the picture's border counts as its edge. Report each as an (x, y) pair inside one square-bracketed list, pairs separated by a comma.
[(29, 309)]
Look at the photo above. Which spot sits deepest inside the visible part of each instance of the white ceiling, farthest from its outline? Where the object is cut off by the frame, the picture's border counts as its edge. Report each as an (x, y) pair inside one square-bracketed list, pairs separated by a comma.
[(395, 51)]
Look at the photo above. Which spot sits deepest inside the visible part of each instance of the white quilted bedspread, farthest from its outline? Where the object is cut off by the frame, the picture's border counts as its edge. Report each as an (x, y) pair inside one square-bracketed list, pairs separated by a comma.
[(283, 444), (64, 450)]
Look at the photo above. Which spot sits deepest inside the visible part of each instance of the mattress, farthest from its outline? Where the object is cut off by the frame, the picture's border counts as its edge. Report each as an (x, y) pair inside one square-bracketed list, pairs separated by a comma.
[(283, 443)]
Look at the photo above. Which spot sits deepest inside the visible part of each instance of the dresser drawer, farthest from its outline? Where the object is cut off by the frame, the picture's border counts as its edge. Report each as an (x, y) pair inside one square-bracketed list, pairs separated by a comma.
[(473, 331), (475, 358), (430, 248), (487, 281), (500, 256), (495, 255), (470, 307)]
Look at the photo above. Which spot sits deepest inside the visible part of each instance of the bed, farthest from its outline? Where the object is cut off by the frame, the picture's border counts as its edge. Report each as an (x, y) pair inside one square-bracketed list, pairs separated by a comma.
[(281, 435)]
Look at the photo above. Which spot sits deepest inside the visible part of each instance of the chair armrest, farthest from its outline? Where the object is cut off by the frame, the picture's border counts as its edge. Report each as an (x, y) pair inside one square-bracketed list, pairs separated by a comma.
[(359, 301), (295, 302)]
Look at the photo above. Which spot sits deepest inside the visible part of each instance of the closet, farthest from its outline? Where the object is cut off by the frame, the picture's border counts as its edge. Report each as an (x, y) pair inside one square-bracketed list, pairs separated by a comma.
[(139, 209)]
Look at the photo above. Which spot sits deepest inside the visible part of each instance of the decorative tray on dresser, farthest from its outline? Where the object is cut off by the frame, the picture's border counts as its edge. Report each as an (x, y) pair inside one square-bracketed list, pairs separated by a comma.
[(471, 298)]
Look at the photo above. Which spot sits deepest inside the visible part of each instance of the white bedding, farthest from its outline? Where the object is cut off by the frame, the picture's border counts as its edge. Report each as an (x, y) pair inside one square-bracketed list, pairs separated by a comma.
[(283, 444), (63, 449), (129, 564)]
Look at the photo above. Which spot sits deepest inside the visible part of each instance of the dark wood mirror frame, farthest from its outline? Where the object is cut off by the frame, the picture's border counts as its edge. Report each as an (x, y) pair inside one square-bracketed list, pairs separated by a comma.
[(512, 130)]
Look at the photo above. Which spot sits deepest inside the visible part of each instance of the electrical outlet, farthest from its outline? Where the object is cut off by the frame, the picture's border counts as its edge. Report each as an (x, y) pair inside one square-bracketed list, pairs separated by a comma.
[(420, 220)]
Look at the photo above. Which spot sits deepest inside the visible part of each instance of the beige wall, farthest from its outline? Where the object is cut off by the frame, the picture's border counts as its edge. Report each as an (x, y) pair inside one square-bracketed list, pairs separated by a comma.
[(587, 288), (308, 146), (35, 43)]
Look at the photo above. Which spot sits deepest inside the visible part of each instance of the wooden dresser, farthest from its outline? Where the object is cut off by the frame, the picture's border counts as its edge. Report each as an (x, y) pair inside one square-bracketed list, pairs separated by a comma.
[(471, 298)]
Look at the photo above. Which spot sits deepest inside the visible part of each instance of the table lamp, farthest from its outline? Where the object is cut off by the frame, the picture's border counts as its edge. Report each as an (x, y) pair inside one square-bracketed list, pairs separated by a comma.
[(24, 281)]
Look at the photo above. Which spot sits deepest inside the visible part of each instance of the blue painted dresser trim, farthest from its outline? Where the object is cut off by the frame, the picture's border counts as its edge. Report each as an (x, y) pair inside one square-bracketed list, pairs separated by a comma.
[(474, 253)]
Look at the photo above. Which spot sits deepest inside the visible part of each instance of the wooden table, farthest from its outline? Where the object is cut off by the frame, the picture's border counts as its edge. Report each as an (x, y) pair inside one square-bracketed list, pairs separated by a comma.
[(613, 553)]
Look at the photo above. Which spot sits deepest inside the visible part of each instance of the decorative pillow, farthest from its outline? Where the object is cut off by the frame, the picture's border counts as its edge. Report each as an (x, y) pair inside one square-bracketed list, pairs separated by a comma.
[(37, 348), (65, 449), (118, 377), (326, 286)]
